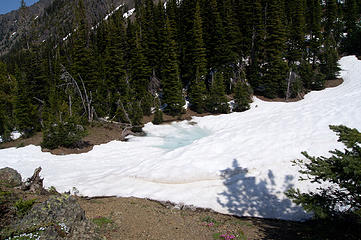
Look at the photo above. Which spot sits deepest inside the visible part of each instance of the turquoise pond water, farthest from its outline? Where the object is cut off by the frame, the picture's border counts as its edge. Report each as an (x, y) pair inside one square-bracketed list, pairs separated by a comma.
[(181, 136)]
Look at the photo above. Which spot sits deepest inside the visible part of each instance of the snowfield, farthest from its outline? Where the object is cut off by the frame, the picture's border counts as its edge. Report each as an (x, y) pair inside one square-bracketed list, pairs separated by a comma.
[(238, 163)]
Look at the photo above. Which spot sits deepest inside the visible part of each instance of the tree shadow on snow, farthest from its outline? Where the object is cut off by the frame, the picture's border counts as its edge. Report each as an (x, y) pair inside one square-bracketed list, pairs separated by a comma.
[(251, 196)]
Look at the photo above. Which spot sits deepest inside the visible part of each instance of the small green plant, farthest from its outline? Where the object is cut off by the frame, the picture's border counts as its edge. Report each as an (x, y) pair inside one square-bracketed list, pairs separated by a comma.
[(102, 221), (23, 206), (158, 117), (208, 219), (210, 222), (52, 190)]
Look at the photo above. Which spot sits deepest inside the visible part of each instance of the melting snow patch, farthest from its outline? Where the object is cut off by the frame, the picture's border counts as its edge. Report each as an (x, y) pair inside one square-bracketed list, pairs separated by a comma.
[(238, 163)]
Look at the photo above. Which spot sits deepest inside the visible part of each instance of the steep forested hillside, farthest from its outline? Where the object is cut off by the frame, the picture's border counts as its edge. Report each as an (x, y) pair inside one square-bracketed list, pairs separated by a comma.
[(124, 67)]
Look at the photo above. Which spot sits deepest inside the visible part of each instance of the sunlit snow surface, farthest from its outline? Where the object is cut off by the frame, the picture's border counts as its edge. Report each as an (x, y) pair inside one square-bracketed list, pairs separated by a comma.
[(238, 163)]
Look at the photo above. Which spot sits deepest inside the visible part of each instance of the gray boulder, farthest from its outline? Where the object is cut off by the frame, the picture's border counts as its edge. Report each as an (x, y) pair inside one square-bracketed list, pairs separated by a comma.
[(10, 176), (60, 217)]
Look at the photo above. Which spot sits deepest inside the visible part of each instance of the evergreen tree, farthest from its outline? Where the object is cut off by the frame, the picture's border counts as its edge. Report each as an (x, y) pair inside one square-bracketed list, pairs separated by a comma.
[(158, 114), (214, 36), (7, 85), (171, 84), (331, 16), (197, 89), (242, 97), (343, 170), (257, 46), (296, 23), (217, 100), (24, 110), (187, 13), (313, 25), (275, 69), (114, 65), (329, 65), (84, 62)]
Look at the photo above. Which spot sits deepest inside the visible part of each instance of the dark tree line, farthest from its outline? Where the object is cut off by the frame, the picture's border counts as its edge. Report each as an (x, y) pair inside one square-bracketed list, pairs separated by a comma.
[(195, 50)]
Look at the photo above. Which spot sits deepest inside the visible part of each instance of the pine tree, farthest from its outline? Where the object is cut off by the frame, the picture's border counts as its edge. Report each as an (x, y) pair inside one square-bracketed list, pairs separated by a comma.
[(187, 13), (84, 62), (296, 31), (313, 26), (214, 36), (139, 74), (171, 84), (24, 110), (331, 16), (329, 65), (7, 85), (217, 100), (257, 45), (158, 114), (242, 97), (342, 170), (350, 17), (274, 79), (115, 67), (197, 89)]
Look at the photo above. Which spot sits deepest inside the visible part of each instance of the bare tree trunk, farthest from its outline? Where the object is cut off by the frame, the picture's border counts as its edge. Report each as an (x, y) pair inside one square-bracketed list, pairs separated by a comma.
[(34, 183), (288, 85)]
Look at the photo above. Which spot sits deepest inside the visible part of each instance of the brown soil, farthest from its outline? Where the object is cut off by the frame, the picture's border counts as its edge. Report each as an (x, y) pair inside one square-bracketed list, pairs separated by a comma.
[(133, 218), (99, 133), (167, 118), (333, 83)]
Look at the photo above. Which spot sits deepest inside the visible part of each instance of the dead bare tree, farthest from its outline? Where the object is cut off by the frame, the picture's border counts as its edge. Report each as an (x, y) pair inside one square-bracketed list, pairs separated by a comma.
[(34, 183), (85, 99)]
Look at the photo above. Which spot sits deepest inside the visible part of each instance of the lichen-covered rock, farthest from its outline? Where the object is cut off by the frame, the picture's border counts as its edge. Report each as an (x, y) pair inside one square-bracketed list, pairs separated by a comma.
[(10, 176), (60, 217)]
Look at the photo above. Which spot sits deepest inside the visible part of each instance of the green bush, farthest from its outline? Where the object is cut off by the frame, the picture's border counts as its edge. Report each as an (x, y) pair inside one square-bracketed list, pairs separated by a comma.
[(342, 170), (242, 97), (63, 134), (23, 206), (158, 117)]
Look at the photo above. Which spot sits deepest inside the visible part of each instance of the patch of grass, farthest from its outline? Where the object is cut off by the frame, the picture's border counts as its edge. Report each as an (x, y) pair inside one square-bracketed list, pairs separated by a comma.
[(23, 206), (102, 221), (209, 219)]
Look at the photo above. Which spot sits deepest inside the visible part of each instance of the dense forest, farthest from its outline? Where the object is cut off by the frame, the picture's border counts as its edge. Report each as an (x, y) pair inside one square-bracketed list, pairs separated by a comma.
[(166, 53)]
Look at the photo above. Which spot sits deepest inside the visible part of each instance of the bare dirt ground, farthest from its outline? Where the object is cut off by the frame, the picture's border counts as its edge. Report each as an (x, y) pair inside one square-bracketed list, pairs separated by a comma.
[(133, 218)]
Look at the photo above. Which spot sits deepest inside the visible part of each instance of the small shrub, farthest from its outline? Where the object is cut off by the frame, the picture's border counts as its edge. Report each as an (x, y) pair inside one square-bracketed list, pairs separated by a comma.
[(63, 134), (23, 206), (242, 97), (52, 190), (158, 117), (102, 221)]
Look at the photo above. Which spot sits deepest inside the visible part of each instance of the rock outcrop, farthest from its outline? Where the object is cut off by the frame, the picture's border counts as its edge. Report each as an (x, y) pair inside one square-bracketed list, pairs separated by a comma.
[(10, 176)]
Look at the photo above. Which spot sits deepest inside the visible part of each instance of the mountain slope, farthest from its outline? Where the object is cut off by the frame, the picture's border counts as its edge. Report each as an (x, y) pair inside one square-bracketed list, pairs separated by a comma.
[(50, 19)]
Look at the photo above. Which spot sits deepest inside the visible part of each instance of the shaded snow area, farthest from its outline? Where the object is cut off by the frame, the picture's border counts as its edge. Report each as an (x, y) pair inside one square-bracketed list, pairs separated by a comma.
[(238, 163)]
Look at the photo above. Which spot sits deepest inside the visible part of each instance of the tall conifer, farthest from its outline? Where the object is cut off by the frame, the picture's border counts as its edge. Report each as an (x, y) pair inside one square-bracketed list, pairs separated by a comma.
[(171, 84)]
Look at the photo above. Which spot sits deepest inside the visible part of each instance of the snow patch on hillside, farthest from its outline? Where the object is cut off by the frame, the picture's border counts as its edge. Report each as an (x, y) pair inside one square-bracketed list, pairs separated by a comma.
[(129, 13), (238, 163)]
